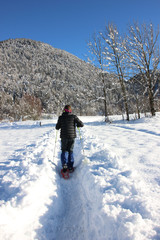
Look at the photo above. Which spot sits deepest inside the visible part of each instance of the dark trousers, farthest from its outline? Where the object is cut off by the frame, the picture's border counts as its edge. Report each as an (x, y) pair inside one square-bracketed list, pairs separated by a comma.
[(67, 146)]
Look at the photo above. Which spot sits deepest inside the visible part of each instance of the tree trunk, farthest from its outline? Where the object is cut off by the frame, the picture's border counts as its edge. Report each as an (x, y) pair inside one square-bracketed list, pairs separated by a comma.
[(151, 102), (105, 98), (124, 97), (150, 93)]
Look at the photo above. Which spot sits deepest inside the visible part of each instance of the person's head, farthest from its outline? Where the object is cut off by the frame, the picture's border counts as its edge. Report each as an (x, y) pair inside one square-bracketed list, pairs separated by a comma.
[(67, 108)]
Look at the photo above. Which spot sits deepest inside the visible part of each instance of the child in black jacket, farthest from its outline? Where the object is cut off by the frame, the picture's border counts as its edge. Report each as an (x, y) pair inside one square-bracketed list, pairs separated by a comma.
[(67, 123)]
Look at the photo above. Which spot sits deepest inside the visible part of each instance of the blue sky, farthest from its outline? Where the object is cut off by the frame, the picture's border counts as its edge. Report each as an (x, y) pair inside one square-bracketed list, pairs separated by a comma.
[(68, 24)]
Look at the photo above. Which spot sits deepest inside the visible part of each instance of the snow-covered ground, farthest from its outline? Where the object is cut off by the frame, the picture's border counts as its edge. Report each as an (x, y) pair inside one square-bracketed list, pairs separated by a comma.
[(112, 195)]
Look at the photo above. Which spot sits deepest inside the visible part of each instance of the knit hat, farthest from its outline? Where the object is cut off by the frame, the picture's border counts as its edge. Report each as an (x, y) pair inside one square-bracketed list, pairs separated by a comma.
[(68, 108)]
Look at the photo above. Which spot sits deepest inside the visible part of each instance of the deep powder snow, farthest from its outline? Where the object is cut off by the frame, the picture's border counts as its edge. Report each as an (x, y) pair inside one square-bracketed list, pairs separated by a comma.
[(112, 195)]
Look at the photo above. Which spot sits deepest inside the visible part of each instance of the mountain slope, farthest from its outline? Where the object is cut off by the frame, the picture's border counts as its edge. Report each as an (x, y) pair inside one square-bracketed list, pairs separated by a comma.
[(52, 75)]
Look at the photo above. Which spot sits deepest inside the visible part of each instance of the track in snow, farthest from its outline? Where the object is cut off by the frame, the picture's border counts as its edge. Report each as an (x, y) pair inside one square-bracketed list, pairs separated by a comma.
[(80, 216), (71, 225)]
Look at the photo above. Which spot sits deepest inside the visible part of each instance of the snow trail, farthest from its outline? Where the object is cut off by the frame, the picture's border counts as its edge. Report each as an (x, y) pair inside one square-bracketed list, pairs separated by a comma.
[(80, 212), (72, 223)]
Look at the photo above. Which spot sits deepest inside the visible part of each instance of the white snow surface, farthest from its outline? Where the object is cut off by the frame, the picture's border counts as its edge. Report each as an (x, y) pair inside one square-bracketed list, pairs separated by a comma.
[(113, 194)]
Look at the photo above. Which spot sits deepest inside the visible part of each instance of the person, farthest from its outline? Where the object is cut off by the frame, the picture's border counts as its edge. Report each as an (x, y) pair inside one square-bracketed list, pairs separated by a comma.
[(67, 124)]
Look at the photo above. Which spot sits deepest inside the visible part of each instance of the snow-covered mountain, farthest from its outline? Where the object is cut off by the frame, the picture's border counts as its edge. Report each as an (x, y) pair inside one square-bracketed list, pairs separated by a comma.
[(54, 76)]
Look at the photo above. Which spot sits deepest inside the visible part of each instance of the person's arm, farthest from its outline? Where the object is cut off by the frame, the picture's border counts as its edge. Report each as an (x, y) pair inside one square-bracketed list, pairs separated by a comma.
[(78, 122), (58, 125)]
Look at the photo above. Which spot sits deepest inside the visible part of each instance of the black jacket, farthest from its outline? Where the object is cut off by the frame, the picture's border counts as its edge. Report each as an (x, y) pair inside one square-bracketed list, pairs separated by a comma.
[(68, 122)]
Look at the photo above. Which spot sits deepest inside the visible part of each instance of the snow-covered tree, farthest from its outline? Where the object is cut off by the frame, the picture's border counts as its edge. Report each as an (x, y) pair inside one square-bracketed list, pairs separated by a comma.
[(96, 50), (142, 50), (116, 59)]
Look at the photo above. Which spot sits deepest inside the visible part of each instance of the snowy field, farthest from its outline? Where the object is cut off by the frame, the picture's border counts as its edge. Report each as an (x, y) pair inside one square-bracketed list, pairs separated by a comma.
[(112, 195)]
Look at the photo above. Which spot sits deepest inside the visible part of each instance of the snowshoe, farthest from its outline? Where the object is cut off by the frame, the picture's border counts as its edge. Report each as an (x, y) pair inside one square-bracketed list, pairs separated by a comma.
[(65, 172)]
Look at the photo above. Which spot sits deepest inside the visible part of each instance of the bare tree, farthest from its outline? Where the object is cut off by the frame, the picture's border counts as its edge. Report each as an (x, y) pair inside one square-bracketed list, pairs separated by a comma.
[(142, 50), (96, 49), (116, 58)]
